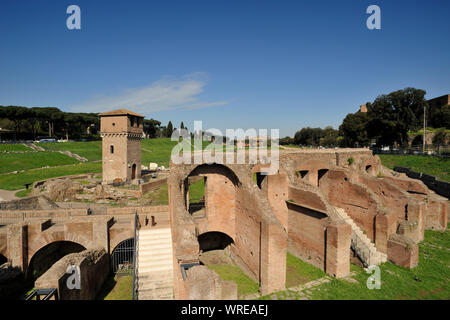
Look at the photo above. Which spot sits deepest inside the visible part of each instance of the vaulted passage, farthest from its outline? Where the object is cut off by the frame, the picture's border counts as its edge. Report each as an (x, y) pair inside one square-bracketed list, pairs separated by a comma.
[(214, 241), (122, 256), (3, 259), (45, 257)]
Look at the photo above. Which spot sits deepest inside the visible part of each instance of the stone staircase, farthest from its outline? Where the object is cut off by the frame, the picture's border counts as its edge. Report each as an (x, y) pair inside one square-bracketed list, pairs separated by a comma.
[(154, 264), (361, 244)]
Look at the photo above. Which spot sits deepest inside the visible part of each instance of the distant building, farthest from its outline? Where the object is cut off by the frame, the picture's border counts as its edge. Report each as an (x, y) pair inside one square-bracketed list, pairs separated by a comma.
[(439, 102), (121, 132), (363, 108)]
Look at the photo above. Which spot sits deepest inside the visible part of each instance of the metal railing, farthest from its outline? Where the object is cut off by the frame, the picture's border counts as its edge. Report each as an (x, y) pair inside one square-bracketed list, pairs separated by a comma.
[(46, 293), (136, 225), (364, 253)]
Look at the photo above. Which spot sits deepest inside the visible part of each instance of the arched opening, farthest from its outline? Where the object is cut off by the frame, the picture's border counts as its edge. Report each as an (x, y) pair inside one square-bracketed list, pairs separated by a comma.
[(369, 169), (111, 149), (47, 256), (133, 172), (3, 259), (210, 191), (258, 177), (214, 240), (320, 175), (122, 257), (196, 193)]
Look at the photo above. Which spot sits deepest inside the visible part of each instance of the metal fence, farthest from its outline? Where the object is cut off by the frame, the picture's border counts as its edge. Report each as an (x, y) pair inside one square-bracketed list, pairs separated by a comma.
[(430, 150), (122, 257)]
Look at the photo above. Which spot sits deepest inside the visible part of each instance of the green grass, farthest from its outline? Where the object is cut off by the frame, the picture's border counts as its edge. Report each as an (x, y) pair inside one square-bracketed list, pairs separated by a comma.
[(157, 150), (117, 288), (300, 272), (91, 150), (439, 167), (24, 161), (196, 191), (13, 148), (159, 195), (17, 181), (244, 283), (429, 280), (23, 193)]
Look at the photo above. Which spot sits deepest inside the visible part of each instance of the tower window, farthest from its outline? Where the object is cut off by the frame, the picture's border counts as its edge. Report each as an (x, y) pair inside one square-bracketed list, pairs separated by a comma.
[(111, 149)]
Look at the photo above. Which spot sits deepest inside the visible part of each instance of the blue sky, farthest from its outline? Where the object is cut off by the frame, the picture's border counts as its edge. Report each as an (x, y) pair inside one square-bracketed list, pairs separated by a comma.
[(232, 64)]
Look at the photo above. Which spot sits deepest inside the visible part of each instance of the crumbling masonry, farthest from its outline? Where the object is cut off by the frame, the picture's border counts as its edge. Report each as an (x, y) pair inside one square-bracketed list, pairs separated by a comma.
[(322, 206)]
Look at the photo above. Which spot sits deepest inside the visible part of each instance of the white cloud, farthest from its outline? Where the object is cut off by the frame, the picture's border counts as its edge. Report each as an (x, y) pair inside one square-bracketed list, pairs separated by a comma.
[(162, 95)]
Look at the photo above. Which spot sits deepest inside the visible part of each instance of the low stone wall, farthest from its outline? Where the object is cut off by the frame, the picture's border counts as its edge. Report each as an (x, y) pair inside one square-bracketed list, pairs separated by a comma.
[(204, 284), (403, 251), (14, 216), (149, 186), (93, 270), (30, 203), (440, 187)]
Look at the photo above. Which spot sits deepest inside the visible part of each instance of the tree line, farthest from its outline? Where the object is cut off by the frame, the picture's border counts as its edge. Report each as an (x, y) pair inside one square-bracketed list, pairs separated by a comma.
[(23, 123), (389, 119)]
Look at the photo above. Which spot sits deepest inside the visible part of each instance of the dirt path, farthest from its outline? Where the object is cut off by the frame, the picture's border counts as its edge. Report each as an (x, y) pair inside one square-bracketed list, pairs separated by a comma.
[(6, 195)]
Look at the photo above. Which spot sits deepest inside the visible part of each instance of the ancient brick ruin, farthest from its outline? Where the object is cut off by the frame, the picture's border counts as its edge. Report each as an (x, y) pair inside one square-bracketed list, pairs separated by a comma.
[(322, 206)]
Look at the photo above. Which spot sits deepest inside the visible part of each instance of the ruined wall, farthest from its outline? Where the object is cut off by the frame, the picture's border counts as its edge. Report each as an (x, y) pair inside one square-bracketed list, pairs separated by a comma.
[(204, 284), (306, 232), (29, 203), (258, 234), (359, 203), (149, 186), (220, 203), (93, 267)]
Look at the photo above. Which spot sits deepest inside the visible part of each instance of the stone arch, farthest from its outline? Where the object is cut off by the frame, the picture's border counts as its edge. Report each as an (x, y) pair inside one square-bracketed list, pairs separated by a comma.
[(220, 197), (42, 242), (311, 171), (116, 239), (42, 259), (122, 255), (214, 240), (369, 166)]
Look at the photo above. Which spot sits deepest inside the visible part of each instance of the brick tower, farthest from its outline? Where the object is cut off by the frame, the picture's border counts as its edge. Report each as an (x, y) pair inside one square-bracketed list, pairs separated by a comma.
[(121, 132)]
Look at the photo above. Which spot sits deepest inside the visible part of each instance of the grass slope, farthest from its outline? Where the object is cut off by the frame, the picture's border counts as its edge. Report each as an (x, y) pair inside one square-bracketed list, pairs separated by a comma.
[(24, 161), (429, 280), (17, 181), (439, 167), (13, 147), (91, 150)]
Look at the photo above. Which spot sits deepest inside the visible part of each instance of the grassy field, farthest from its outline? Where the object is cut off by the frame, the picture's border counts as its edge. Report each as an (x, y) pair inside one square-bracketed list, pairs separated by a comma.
[(439, 167), (17, 181), (159, 195), (24, 161), (91, 150), (157, 150), (196, 191), (13, 148), (245, 284), (299, 272)]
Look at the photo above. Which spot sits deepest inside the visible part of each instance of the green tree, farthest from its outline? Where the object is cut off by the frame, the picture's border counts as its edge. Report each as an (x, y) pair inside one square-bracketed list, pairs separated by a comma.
[(353, 130), (391, 116), (169, 130)]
